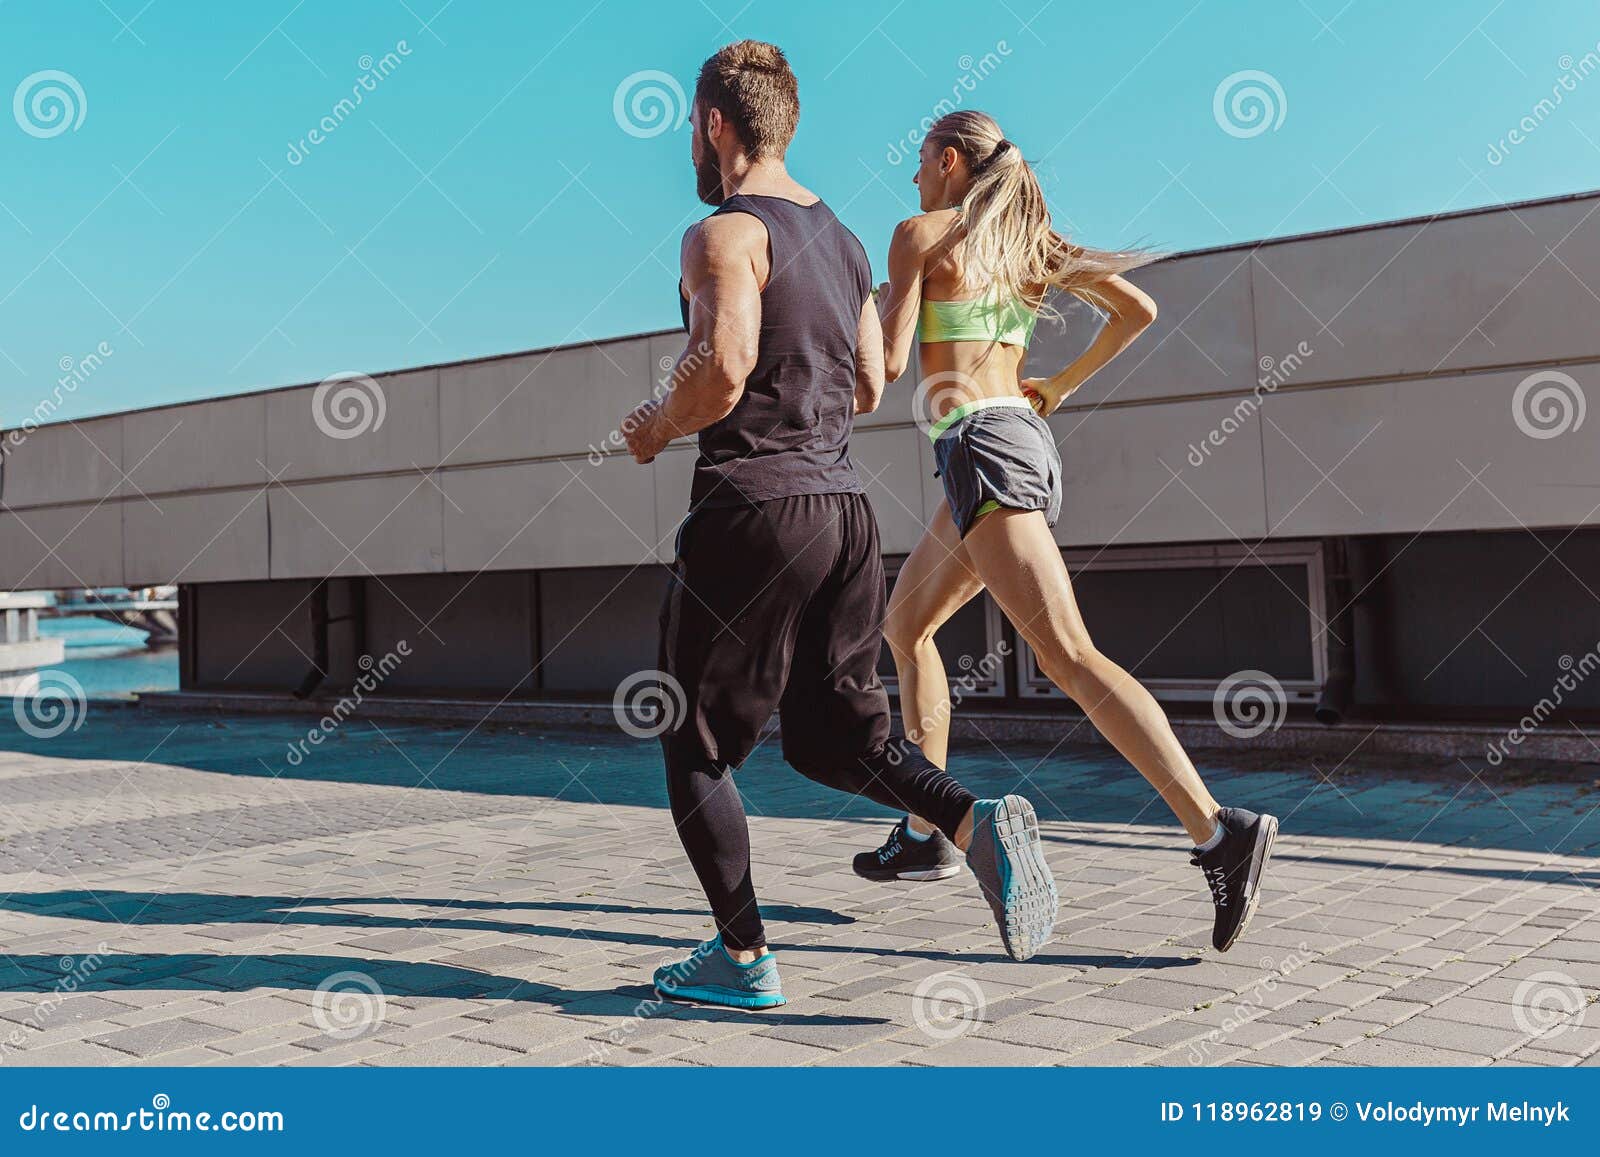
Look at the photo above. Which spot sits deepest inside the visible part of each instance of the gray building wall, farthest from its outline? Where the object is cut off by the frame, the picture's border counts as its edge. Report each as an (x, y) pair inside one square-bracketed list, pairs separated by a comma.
[(1359, 385)]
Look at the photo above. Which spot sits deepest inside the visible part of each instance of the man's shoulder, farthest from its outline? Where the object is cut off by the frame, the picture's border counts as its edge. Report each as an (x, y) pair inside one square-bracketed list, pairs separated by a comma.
[(735, 223), (724, 233)]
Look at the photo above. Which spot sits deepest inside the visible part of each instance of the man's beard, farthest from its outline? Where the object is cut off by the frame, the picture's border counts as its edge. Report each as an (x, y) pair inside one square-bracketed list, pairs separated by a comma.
[(708, 179)]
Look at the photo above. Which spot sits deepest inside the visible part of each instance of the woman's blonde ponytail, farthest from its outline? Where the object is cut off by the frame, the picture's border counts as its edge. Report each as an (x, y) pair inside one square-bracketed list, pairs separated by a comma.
[(1010, 247)]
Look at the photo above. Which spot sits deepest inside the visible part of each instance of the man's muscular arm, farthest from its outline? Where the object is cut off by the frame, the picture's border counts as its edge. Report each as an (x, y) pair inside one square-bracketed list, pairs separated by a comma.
[(719, 274)]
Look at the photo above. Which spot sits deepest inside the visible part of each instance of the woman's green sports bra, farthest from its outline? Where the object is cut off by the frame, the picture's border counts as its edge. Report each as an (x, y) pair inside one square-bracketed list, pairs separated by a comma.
[(980, 319)]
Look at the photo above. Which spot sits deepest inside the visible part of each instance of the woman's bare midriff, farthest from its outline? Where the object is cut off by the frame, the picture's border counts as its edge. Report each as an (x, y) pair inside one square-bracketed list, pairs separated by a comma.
[(970, 370)]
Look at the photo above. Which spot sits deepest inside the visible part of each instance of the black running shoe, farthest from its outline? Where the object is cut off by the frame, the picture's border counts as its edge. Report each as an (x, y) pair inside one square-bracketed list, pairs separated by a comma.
[(1233, 870), (904, 858)]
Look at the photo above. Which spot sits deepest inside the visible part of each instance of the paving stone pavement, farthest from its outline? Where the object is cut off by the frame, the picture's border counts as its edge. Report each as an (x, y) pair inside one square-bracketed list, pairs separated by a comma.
[(175, 890)]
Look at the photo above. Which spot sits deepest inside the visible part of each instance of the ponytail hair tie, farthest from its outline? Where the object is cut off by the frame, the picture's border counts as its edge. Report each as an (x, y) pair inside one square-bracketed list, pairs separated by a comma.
[(1000, 150)]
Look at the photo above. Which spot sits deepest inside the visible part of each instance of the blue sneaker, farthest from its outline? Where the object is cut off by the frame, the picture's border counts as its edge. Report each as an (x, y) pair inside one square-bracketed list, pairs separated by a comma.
[(1008, 859), (711, 976)]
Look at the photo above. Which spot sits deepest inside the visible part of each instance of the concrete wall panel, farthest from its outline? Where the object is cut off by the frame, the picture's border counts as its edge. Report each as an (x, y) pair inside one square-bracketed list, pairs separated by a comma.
[(1459, 292), (902, 402), (890, 465), (196, 447), (196, 538), (550, 514), (1202, 342), (357, 526), (62, 546), (398, 427), (544, 404), (674, 474), (73, 462), (1401, 457), (1128, 478)]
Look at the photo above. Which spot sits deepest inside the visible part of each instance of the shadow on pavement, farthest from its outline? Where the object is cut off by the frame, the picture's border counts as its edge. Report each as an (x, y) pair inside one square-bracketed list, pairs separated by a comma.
[(214, 908), (190, 971), (194, 908)]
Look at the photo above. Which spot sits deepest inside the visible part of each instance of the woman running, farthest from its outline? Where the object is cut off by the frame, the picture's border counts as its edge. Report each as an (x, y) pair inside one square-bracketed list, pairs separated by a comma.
[(972, 271)]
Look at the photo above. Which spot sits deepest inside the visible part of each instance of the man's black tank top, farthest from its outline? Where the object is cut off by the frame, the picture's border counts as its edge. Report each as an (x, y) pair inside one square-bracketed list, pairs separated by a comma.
[(790, 431)]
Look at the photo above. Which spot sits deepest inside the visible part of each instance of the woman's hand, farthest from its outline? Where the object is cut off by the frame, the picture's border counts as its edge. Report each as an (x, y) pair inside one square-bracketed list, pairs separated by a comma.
[(1042, 395), (880, 299)]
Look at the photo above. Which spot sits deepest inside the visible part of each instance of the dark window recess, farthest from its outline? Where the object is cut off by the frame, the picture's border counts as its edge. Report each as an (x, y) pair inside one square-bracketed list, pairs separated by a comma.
[(963, 642), (1200, 622)]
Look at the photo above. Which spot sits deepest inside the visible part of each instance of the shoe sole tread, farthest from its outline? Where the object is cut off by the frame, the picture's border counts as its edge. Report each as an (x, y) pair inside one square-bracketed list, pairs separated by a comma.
[(1026, 912)]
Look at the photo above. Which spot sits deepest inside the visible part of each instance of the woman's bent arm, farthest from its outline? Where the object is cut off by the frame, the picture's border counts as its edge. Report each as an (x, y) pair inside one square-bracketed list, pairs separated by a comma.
[(1130, 311), (869, 359)]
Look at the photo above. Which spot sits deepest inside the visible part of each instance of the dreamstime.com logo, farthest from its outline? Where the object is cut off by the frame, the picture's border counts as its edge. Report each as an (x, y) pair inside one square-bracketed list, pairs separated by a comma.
[(1573, 73), (1274, 373), (1548, 1004), (373, 673), (1548, 404), (48, 103), (1249, 703), (975, 674), (649, 103), (674, 372), (974, 71), (1249, 1004), (649, 703), (947, 1005), (1573, 673), (74, 373), (1248, 103), (49, 703), (348, 1004), (653, 1005), (348, 405), (373, 73), (160, 1117)]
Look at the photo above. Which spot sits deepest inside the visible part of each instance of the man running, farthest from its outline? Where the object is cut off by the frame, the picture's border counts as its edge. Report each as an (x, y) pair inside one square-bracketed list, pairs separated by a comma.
[(777, 597)]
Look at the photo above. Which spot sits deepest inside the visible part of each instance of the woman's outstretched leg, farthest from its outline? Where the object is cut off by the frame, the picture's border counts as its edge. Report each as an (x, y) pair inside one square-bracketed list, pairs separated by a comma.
[(1021, 564), (1018, 560)]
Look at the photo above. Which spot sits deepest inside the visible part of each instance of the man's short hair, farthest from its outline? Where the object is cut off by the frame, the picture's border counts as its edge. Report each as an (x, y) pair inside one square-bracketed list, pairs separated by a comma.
[(753, 86)]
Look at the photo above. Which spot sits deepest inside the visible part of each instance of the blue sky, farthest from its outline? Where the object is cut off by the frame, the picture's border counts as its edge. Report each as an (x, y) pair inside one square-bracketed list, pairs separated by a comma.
[(484, 196)]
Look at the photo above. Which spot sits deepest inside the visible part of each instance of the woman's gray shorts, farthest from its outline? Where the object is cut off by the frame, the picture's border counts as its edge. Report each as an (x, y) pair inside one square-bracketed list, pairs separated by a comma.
[(998, 456)]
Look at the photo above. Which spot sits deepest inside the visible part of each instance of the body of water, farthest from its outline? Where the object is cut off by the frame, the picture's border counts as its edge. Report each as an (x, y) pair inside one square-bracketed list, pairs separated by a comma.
[(109, 660)]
